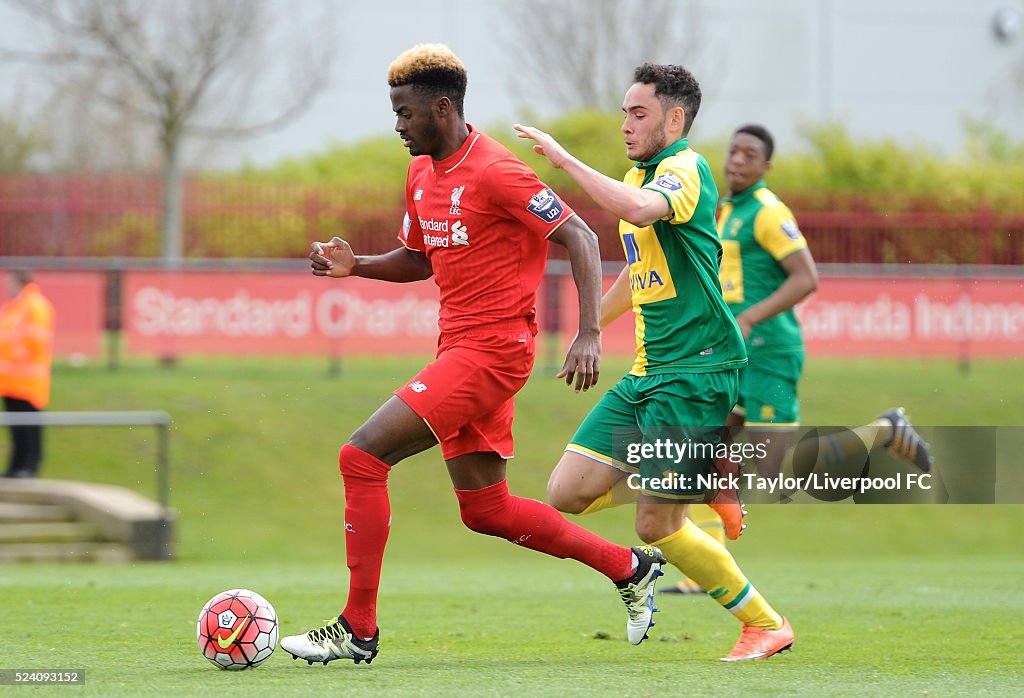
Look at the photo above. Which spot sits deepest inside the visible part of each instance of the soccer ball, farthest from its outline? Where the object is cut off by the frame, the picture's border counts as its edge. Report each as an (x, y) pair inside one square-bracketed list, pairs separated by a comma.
[(237, 629)]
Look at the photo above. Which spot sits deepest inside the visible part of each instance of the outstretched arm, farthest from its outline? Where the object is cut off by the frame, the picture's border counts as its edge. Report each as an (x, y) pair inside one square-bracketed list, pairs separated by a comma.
[(624, 201), (582, 363), (336, 259)]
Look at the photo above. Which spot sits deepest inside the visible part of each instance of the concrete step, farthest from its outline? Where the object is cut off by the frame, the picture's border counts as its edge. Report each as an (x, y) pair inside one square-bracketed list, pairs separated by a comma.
[(48, 532), (17, 492), (117, 513), (13, 512), (64, 552)]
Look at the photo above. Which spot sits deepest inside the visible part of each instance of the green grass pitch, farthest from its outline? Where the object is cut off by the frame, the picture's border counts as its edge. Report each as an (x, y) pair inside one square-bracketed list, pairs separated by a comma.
[(885, 600)]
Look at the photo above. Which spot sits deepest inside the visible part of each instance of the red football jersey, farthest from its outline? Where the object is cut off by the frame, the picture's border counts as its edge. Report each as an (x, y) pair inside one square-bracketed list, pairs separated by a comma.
[(482, 218)]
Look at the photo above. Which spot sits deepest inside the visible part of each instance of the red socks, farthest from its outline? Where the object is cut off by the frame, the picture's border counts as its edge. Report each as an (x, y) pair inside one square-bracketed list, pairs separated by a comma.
[(491, 510), (367, 524), (538, 526)]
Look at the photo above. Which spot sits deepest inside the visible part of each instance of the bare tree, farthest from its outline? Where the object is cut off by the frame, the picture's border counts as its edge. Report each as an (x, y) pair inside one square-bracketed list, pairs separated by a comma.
[(580, 54), (84, 134), (183, 68)]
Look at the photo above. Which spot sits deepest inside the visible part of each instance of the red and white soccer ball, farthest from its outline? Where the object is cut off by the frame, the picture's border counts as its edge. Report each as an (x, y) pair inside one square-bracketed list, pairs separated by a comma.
[(237, 629)]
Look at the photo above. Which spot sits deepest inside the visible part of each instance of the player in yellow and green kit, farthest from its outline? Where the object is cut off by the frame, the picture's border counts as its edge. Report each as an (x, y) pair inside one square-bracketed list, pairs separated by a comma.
[(766, 270), (689, 350)]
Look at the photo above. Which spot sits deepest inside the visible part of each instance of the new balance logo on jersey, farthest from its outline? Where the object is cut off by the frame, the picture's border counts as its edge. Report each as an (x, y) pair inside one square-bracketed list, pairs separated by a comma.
[(417, 195), (456, 195), (417, 386), (460, 236)]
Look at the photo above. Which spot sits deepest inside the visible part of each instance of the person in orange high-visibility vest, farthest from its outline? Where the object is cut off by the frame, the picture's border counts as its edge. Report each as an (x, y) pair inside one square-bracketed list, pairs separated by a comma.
[(26, 352)]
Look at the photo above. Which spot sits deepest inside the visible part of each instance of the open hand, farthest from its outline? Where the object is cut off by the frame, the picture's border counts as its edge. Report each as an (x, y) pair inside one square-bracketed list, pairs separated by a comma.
[(546, 145), (583, 362)]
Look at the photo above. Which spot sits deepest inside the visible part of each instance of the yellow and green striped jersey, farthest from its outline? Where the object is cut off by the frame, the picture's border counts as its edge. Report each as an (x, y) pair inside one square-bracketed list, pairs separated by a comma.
[(682, 323), (758, 231)]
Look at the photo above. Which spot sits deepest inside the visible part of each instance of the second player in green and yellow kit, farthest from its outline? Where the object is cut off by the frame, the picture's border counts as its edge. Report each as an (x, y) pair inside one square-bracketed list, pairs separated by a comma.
[(688, 347), (758, 231)]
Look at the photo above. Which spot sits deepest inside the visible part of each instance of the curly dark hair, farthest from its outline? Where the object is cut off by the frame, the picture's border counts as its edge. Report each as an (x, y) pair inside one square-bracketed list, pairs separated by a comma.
[(674, 86), (760, 133)]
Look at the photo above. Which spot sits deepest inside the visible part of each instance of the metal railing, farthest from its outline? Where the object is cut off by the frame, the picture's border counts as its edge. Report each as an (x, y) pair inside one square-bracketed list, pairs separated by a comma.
[(99, 216), (156, 418)]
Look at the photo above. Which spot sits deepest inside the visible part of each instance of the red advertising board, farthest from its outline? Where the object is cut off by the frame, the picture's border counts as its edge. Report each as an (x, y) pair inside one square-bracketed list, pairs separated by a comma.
[(170, 313), (888, 316), (77, 298), (296, 313), (903, 316)]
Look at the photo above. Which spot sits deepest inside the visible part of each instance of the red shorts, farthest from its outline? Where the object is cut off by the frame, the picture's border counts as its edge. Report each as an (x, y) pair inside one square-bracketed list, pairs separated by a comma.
[(466, 395)]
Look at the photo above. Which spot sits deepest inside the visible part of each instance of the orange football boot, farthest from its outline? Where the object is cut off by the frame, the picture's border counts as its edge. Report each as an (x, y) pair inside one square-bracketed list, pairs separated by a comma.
[(761, 643)]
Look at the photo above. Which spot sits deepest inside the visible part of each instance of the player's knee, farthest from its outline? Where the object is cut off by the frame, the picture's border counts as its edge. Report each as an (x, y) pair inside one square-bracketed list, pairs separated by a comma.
[(477, 523), (563, 499), (371, 439), (651, 528), (359, 469), (648, 534), (362, 439), (484, 511), (485, 521)]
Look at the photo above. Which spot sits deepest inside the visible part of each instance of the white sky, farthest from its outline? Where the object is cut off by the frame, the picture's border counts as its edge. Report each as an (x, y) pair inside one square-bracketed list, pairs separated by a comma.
[(907, 69)]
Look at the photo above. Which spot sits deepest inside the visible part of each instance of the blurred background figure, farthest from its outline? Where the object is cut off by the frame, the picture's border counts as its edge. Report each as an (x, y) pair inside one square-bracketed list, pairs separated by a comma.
[(26, 353)]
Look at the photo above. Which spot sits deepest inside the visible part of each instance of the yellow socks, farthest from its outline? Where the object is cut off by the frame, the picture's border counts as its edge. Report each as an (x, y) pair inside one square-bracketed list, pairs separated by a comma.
[(711, 523), (602, 502), (708, 521), (620, 493), (698, 550), (707, 562)]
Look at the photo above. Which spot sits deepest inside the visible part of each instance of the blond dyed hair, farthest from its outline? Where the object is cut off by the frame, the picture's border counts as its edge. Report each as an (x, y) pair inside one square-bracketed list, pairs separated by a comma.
[(433, 69)]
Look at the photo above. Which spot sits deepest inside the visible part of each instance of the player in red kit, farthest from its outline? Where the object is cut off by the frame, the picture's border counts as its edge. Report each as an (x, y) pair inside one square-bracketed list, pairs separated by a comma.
[(478, 220)]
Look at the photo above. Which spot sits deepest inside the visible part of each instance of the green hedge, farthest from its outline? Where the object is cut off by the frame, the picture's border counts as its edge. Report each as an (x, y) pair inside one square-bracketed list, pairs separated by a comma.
[(877, 174), (355, 190)]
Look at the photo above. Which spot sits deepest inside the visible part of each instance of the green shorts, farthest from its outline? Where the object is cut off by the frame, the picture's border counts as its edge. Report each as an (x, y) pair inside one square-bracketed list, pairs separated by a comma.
[(661, 429), (768, 389)]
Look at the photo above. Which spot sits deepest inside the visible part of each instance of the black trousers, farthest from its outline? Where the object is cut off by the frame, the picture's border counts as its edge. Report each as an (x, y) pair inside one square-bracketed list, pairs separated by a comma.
[(26, 442)]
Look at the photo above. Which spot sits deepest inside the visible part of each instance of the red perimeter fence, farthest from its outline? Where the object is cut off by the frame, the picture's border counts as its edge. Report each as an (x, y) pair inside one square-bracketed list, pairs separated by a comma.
[(108, 216)]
